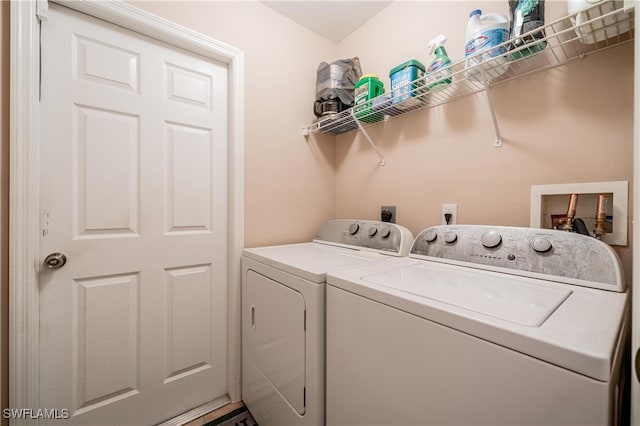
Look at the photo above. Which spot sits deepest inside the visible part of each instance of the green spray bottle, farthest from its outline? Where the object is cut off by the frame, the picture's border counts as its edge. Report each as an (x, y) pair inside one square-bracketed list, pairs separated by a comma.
[(438, 73)]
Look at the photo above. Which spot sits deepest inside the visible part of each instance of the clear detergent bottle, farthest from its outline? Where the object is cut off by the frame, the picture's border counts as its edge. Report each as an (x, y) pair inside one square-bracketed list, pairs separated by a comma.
[(484, 34), (438, 73)]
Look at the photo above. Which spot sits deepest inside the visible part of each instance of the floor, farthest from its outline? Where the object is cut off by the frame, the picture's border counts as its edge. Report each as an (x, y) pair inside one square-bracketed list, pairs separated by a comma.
[(214, 414)]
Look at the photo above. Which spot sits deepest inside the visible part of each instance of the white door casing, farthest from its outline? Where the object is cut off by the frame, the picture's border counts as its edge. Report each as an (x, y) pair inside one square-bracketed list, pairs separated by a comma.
[(25, 261)]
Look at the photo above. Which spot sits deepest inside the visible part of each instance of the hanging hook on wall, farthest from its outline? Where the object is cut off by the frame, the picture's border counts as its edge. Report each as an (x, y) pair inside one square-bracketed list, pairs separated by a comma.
[(366, 135)]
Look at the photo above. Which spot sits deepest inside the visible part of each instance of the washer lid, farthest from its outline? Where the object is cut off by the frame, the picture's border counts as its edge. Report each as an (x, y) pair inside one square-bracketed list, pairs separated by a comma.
[(500, 296), (577, 328), (311, 261)]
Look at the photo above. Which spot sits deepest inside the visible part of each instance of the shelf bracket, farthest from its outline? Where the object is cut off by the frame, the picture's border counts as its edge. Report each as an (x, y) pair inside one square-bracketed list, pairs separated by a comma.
[(497, 143), (366, 135)]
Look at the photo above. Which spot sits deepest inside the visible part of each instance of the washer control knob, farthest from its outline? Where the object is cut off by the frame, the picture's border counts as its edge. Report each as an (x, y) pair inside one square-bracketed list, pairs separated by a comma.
[(491, 239), (450, 237), (354, 228), (373, 231), (430, 236), (385, 233), (541, 245)]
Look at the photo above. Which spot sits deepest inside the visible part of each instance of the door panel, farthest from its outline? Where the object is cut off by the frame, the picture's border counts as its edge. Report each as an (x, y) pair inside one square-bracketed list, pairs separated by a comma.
[(188, 86), (133, 160), (106, 166), (106, 321), (189, 178), (103, 63), (189, 303)]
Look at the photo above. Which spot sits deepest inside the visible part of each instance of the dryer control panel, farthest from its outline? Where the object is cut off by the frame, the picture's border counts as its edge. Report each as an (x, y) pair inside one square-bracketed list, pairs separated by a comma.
[(542, 253), (372, 235)]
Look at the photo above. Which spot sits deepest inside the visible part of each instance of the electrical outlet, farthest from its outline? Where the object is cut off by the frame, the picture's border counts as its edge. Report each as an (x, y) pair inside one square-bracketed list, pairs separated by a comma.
[(449, 209), (388, 214)]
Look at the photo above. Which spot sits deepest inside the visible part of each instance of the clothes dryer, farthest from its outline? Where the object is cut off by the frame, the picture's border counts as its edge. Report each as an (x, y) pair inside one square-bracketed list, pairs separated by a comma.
[(283, 315), (479, 325)]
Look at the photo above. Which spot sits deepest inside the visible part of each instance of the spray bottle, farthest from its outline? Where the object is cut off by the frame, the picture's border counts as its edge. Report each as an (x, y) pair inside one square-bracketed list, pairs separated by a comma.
[(438, 73)]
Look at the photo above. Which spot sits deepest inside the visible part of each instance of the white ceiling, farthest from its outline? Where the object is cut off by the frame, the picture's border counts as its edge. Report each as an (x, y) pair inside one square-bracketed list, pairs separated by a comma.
[(331, 19)]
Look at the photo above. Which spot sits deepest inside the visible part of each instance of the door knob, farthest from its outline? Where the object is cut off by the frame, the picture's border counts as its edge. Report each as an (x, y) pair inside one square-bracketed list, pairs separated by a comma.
[(55, 261)]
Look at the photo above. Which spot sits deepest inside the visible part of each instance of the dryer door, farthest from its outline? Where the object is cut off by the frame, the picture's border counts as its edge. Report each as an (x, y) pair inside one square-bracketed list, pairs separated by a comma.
[(276, 336)]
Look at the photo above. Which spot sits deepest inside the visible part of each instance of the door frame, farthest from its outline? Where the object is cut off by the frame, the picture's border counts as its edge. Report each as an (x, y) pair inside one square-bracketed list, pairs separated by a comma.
[(24, 220)]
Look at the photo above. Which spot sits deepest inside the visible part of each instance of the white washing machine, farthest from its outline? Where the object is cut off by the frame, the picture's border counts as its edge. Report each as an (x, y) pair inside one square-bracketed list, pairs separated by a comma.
[(283, 315), (479, 326)]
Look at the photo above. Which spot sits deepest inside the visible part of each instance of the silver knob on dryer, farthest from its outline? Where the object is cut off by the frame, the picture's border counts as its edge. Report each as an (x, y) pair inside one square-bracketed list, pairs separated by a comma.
[(450, 237), (373, 231), (354, 228), (491, 239), (430, 236), (541, 245), (385, 233)]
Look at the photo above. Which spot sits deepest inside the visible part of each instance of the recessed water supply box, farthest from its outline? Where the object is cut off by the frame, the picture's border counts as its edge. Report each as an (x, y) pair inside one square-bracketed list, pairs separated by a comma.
[(549, 203)]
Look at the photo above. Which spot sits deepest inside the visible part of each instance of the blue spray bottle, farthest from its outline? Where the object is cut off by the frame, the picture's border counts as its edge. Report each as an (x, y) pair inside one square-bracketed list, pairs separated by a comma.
[(438, 73)]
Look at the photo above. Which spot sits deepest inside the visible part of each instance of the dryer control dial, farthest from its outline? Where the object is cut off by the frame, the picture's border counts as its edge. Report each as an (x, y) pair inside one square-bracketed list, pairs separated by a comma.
[(378, 236), (541, 245), (430, 236), (491, 239), (450, 237), (385, 233)]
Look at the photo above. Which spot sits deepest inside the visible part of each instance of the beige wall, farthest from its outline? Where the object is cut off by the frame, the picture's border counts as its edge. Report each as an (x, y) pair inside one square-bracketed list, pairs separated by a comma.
[(289, 183), (570, 124)]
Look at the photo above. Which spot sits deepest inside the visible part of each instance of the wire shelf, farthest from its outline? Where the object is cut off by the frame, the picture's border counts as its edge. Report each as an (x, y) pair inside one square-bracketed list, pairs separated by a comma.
[(598, 28)]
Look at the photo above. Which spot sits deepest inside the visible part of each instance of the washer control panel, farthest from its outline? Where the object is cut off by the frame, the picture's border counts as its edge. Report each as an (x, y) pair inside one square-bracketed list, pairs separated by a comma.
[(562, 256), (373, 235)]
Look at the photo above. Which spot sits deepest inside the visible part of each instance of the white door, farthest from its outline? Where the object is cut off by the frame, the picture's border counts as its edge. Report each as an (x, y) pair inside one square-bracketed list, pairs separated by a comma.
[(133, 190)]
